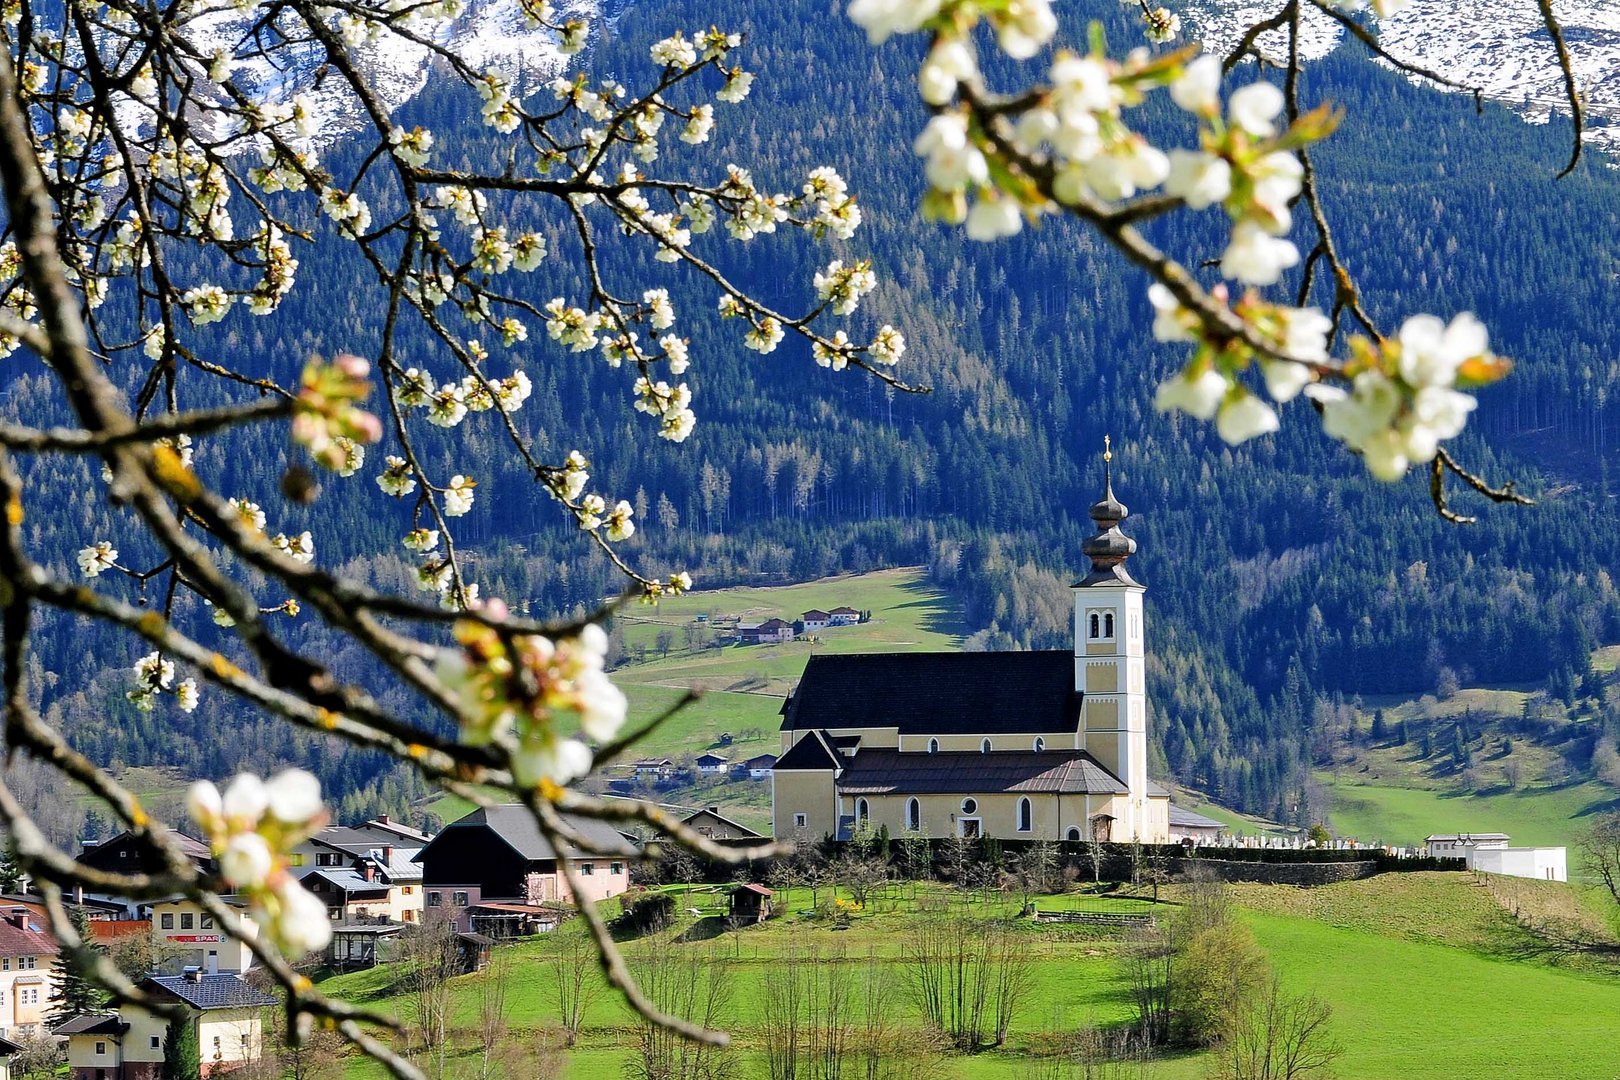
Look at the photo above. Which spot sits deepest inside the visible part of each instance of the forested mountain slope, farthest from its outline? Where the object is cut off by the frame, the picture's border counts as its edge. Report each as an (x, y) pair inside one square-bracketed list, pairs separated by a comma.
[(1276, 573)]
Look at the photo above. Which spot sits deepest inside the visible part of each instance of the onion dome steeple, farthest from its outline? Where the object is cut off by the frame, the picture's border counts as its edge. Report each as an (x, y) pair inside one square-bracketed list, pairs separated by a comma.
[(1109, 548)]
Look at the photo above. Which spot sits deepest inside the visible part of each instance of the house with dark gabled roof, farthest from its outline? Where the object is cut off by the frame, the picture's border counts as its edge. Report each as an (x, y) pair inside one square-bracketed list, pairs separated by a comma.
[(1018, 745), (226, 1011), (497, 854), (843, 616), (815, 619), (716, 826)]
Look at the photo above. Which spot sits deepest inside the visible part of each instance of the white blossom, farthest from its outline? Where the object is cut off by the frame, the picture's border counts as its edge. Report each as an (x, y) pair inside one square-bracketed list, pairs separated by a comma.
[(1256, 258), (98, 557), (1244, 416), (1255, 107), (1199, 179), (458, 495), (1197, 395)]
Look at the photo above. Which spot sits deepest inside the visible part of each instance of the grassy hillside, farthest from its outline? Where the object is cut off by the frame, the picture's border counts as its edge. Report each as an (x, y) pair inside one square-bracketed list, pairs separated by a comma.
[(1522, 772), (1398, 957)]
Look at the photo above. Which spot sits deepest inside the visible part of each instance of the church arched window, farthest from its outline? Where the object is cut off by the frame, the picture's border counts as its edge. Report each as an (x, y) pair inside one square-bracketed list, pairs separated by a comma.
[(1026, 815), (984, 747), (913, 815), (1108, 625), (862, 811), (1040, 744), (970, 806), (1096, 623), (1073, 834), (933, 746)]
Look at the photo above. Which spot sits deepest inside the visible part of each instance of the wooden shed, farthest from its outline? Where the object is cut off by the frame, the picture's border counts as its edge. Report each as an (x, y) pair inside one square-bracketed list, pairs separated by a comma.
[(750, 903)]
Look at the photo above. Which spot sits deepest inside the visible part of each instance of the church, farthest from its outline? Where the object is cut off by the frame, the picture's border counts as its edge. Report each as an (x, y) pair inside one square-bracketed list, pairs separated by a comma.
[(1045, 745)]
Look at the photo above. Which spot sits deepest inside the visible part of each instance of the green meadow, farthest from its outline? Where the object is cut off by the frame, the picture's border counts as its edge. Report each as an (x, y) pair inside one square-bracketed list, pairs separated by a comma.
[(1419, 969)]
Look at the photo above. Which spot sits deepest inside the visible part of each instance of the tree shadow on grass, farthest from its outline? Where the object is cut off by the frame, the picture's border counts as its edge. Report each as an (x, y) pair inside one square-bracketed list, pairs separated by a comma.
[(939, 615)]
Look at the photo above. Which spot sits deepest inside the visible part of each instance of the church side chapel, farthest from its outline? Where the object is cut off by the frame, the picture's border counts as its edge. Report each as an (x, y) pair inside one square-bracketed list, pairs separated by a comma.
[(1045, 745)]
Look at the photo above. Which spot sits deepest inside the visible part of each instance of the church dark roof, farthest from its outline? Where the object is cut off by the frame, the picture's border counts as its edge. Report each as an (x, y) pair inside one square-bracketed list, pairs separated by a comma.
[(1064, 772), (810, 752), (936, 693)]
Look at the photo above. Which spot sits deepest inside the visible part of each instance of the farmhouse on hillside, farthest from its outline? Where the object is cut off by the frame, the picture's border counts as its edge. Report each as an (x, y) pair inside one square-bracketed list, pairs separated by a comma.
[(815, 619), (843, 616), (768, 632), (711, 764), (1016, 745), (494, 864)]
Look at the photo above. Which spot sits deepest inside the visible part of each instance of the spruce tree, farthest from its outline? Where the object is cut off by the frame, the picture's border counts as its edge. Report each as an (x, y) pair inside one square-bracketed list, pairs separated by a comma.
[(75, 993), (10, 872), (181, 1058)]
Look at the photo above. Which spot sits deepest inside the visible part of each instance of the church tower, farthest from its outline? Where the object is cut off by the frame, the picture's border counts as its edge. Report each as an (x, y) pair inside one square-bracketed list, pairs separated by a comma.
[(1109, 659)]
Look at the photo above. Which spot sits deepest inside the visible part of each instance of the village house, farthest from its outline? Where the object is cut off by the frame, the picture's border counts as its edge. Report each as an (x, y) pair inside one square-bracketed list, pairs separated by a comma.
[(759, 767), (184, 935), (125, 854), (814, 619), (654, 768), (711, 823), (495, 858), (1490, 853), (128, 1045), (843, 616), (27, 978), (771, 631), (358, 877), (1017, 745), (710, 764)]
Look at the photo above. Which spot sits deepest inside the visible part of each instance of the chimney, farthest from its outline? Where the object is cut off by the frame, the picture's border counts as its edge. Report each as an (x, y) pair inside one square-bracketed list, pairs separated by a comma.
[(388, 854), (192, 973), (18, 917), (368, 868), (78, 894), (382, 819)]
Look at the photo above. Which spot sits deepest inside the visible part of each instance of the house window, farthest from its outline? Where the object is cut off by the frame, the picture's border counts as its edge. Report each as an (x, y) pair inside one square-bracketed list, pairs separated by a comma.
[(207, 921), (616, 868), (216, 1044), (296, 859), (800, 821), (970, 806), (984, 747), (459, 899), (101, 1048), (1096, 624), (587, 868), (188, 921), (157, 1042), (5, 963), (862, 812), (1108, 625), (933, 746), (435, 899), (407, 890), (913, 815), (29, 961), (1026, 815), (166, 921), (1040, 744), (1073, 834)]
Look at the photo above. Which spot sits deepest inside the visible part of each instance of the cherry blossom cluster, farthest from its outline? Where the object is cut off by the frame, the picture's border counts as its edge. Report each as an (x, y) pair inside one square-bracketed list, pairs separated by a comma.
[(252, 829), (1067, 146), (326, 420), (540, 700), (154, 676)]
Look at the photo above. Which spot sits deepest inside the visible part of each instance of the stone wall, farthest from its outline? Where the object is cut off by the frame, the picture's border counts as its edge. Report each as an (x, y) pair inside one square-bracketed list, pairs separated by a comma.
[(1303, 874)]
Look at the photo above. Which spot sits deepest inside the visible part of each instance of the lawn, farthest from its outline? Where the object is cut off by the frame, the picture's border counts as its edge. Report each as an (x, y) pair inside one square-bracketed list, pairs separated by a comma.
[(1398, 957)]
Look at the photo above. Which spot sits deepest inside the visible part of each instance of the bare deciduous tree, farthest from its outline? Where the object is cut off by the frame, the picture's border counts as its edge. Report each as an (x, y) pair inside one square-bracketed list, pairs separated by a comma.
[(1276, 1036)]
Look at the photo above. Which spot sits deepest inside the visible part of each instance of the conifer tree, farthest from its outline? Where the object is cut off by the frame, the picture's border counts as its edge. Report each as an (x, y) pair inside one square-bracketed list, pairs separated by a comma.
[(75, 993), (181, 1058)]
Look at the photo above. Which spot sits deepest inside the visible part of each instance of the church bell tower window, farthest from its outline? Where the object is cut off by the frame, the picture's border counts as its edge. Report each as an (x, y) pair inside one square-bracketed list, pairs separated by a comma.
[(1108, 626), (1096, 625)]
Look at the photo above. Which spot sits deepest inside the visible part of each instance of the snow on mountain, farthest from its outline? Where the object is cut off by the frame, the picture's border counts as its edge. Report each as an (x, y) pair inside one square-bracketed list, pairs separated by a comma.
[(1502, 49), (489, 35)]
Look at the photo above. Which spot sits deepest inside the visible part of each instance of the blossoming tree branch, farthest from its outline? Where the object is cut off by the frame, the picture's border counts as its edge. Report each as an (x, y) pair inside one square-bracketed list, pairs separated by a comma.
[(149, 192)]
